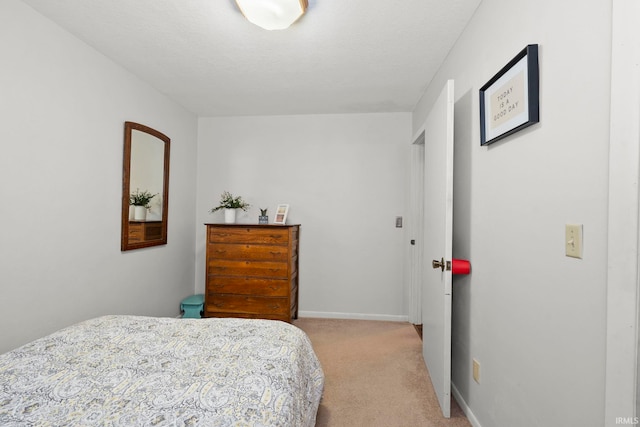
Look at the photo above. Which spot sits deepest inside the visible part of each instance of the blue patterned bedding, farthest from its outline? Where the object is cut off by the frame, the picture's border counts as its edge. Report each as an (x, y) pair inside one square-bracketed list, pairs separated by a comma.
[(143, 371)]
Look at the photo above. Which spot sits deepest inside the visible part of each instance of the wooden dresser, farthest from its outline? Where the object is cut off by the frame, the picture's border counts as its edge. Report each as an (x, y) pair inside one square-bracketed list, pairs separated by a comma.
[(252, 271), (142, 231)]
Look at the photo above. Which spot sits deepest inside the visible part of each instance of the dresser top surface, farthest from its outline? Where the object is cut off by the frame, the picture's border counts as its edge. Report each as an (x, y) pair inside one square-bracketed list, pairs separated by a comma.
[(251, 225)]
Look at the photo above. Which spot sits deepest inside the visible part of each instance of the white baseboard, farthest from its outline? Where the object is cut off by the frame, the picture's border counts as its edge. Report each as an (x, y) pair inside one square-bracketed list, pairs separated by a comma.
[(463, 405), (356, 316)]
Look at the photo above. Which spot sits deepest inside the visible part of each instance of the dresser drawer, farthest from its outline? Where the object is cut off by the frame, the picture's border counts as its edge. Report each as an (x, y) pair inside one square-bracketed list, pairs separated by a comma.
[(266, 235), (136, 233), (248, 252), (240, 304), (217, 267), (248, 286), (153, 231), (284, 318)]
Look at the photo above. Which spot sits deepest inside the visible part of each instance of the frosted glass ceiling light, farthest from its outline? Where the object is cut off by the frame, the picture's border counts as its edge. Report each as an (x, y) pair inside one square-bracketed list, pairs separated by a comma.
[(272, 14)]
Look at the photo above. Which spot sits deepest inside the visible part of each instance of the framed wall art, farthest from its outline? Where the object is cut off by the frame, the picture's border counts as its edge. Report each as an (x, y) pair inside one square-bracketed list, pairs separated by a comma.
[(510, 101), (281, 214)]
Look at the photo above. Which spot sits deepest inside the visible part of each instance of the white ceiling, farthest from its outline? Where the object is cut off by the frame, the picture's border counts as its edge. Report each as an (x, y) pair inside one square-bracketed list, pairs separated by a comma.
[(342, 56)]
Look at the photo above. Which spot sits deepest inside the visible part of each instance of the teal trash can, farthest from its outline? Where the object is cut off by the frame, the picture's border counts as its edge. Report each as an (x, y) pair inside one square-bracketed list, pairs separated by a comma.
[(192, 306)]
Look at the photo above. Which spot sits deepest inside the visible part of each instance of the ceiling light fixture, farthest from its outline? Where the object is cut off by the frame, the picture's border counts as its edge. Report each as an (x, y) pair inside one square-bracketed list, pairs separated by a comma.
[(272, 14)]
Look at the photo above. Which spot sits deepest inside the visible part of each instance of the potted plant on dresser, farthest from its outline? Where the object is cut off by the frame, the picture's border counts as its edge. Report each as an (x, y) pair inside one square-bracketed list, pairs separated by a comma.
[(140, 200), (230, 204), (263, 218)]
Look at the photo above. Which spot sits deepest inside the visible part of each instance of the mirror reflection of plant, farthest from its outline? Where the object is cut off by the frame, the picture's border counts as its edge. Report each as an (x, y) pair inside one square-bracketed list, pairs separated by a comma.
[(141, 198), (228, 201)]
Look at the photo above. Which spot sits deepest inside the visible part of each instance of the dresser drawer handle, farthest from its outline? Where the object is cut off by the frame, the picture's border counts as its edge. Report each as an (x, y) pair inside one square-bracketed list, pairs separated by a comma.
[(275, 253), (221, 251), (218, 304), (274, 306)]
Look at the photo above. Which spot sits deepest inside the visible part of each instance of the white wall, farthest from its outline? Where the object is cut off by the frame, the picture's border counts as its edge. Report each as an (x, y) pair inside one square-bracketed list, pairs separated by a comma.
[(344, 177), (534, 318), (62, 113)]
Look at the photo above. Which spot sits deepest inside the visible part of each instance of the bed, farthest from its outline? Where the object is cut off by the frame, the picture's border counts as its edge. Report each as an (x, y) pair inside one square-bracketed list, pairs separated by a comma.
[(144, 371)]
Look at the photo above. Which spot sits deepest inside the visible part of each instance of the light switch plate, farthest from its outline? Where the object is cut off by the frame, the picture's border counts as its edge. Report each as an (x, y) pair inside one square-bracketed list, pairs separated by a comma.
[(573, 240), (476, 371)]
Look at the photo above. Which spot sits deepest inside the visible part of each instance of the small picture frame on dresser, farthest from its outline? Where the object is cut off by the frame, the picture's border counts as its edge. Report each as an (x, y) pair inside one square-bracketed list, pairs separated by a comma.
[(281, 214)]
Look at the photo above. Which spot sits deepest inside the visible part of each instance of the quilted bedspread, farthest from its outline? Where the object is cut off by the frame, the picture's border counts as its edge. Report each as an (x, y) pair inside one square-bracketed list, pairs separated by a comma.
[(143, 371)]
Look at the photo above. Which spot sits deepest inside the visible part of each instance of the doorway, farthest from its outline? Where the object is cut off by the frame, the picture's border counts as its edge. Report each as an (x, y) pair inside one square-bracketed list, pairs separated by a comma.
[(416, 233)]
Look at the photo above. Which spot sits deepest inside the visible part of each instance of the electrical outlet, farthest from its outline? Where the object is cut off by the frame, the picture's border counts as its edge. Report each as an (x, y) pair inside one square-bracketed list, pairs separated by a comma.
[(476, 371), (573, 240)]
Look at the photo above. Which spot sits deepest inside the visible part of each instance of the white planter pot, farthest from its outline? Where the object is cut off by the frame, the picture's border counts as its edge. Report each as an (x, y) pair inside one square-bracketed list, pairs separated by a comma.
[(230, 216), (132, 212), (140, 213)]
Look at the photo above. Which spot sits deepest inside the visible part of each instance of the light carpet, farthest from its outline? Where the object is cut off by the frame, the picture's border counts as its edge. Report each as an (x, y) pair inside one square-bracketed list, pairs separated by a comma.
[(375, 375)]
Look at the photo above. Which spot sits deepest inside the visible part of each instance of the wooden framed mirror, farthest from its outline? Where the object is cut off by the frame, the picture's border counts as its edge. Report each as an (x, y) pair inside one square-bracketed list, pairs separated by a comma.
[(145, 187)]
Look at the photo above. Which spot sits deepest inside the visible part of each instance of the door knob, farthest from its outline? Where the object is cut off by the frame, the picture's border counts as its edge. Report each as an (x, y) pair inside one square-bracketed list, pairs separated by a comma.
[(441, 264)]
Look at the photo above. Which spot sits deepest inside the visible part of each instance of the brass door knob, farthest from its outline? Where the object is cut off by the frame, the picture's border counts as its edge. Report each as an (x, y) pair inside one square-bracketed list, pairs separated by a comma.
[(441, 264)]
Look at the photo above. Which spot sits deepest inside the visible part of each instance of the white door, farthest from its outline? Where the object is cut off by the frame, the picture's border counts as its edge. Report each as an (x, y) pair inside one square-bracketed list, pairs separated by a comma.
[(438, 235)]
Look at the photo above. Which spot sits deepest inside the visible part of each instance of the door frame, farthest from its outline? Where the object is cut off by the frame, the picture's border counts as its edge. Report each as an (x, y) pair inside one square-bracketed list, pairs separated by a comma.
[(416, 228), (622, 362)]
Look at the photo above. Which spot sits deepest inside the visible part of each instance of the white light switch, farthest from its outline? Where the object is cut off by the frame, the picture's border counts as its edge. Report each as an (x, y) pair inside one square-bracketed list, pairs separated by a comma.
[(573, 240)]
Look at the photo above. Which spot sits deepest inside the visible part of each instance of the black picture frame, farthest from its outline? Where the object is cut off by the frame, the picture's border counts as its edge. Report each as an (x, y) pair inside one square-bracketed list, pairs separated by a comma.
[(510, 101)]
